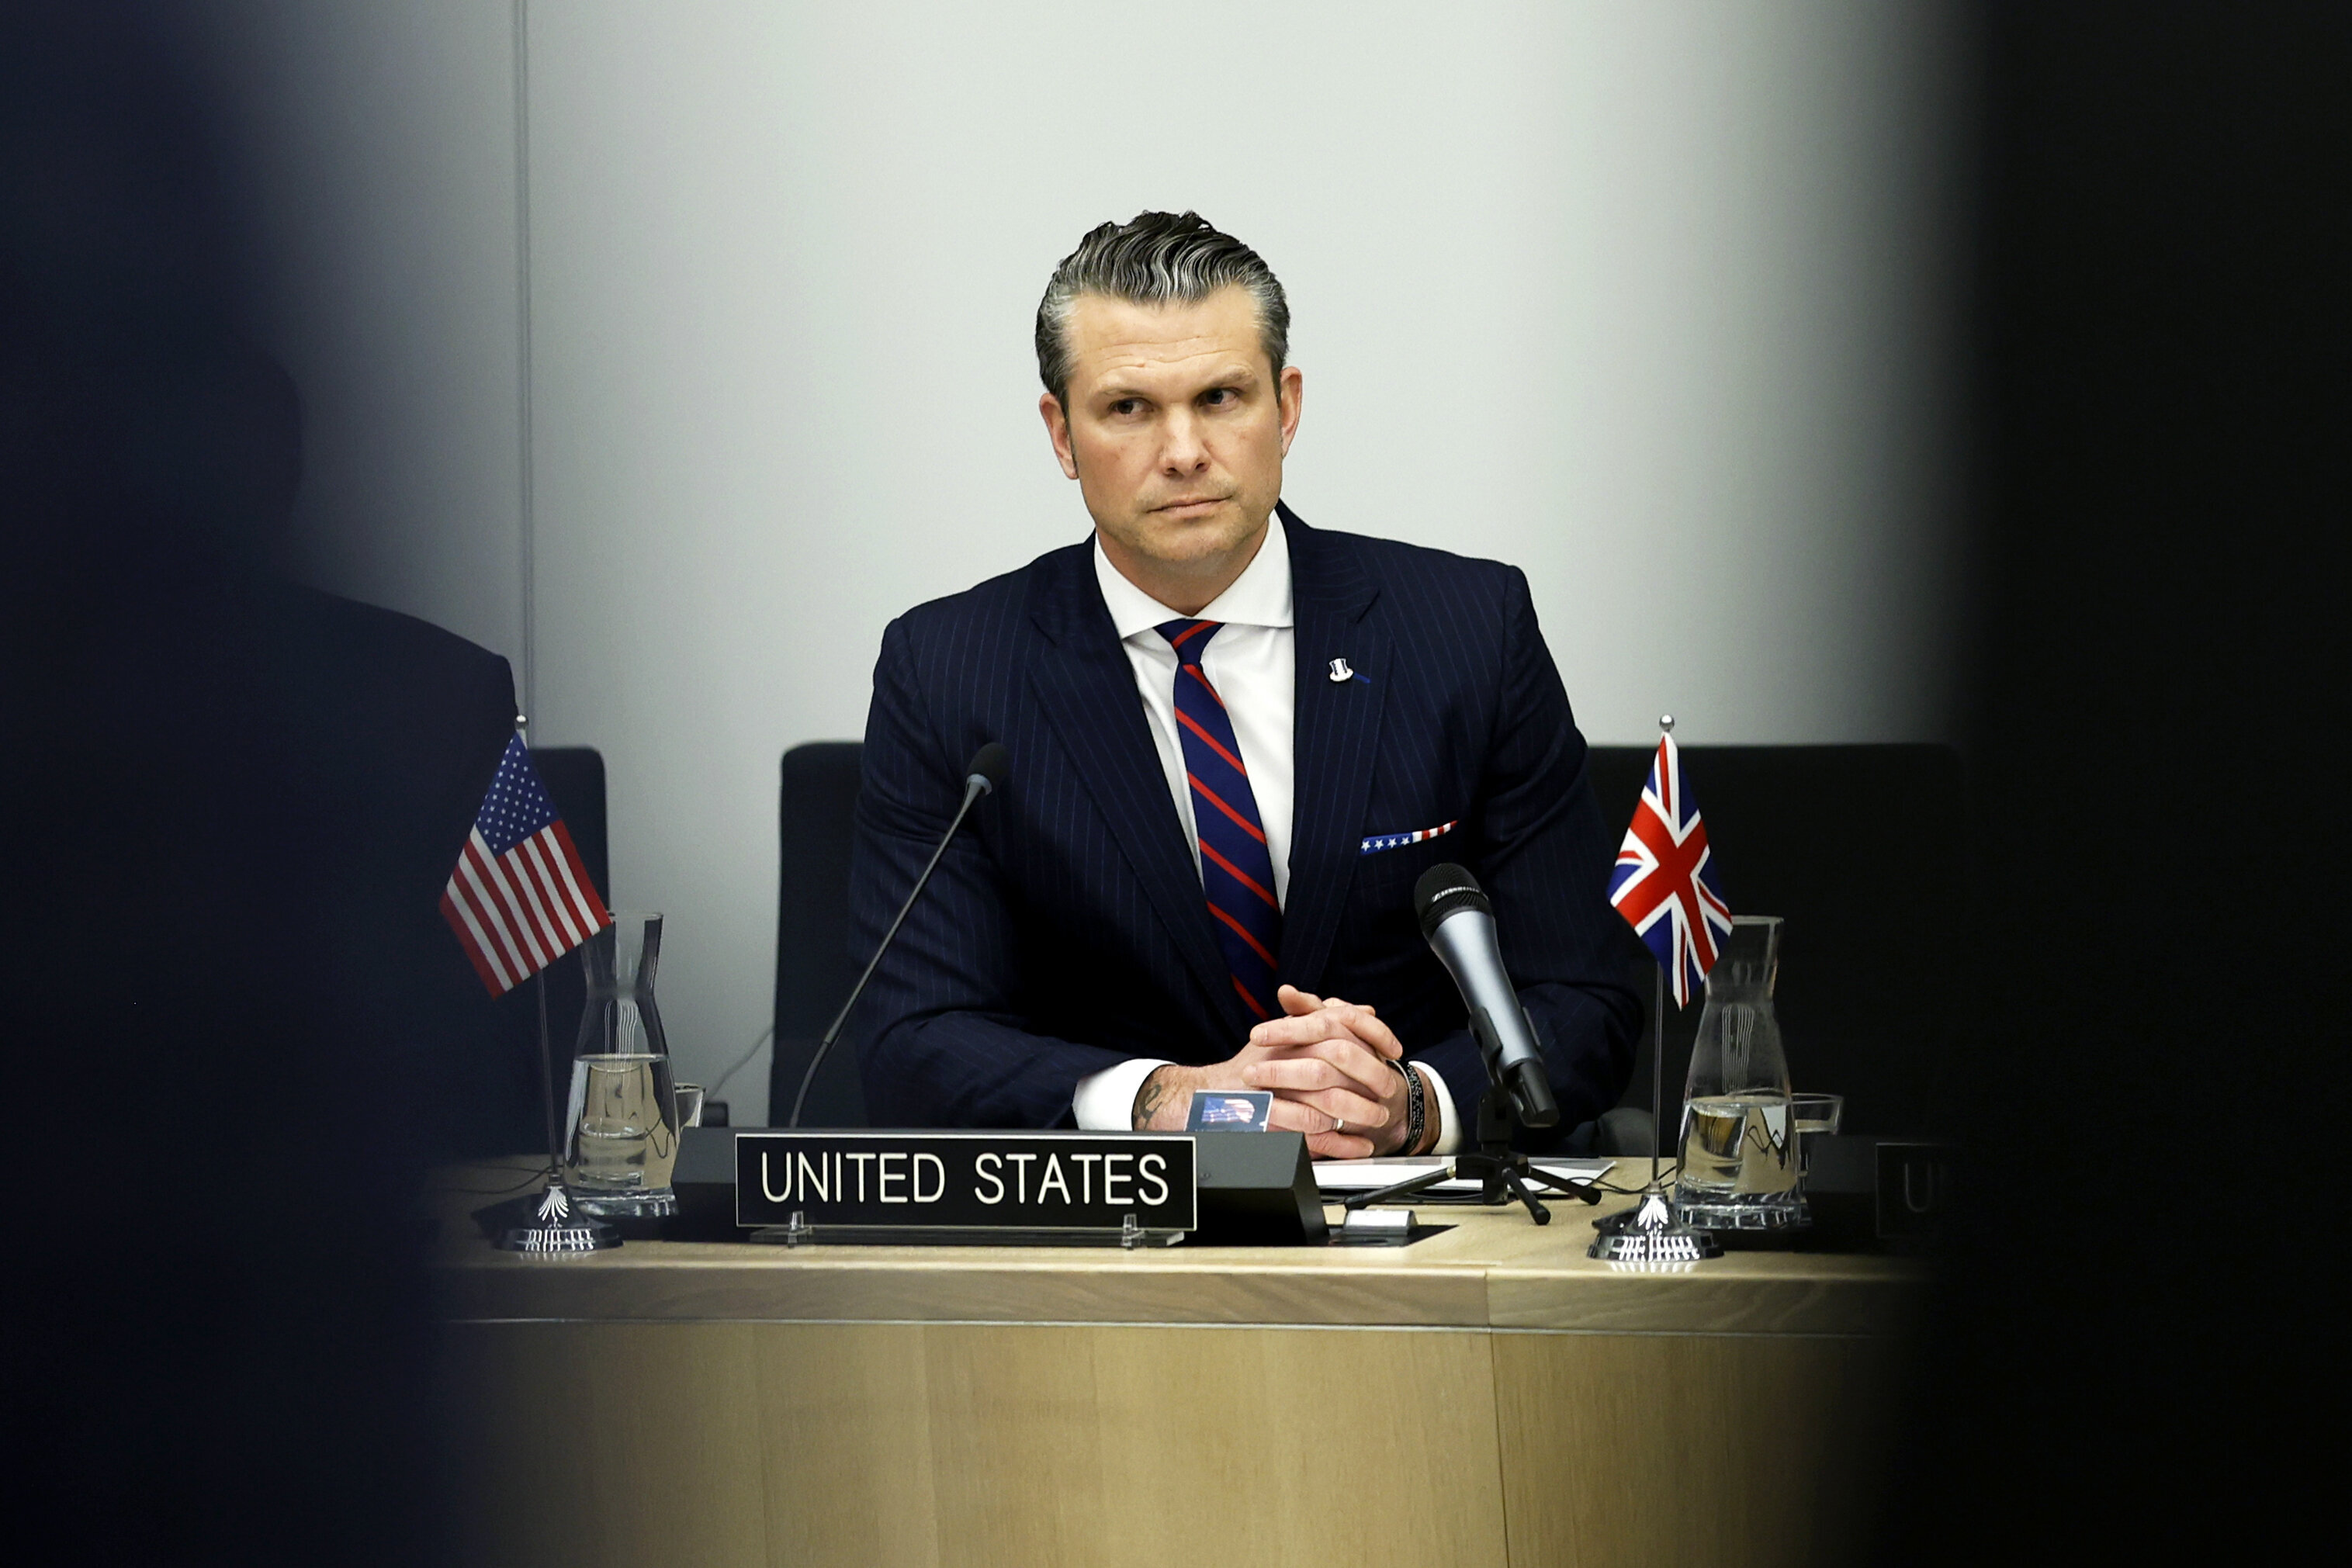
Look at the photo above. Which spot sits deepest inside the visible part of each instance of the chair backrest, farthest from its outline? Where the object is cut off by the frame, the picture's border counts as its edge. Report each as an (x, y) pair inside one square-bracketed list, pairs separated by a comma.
[(1863, 850), (814, 969)]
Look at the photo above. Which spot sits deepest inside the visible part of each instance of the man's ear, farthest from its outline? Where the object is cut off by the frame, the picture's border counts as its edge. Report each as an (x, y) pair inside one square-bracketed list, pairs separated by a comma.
[(1057, 430), (1290, 400)]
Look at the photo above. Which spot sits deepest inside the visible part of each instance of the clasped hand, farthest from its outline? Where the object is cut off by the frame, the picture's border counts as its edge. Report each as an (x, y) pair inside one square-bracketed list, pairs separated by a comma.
[(1327, 1061)]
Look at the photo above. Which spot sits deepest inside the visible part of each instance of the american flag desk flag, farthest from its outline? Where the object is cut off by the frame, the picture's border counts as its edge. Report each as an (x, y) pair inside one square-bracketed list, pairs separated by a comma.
[(520, 898), (1664, 883)]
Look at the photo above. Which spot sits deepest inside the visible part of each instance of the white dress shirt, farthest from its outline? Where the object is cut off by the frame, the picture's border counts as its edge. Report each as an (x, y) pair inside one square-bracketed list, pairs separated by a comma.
[(1253, 660)]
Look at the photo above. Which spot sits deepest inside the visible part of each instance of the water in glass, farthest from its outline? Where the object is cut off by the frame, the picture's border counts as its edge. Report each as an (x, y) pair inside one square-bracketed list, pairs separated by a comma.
[(1738, 1145), (623, 1140)]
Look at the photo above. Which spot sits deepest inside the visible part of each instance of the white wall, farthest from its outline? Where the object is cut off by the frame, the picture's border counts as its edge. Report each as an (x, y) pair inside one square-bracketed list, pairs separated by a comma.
[(1647, 299)]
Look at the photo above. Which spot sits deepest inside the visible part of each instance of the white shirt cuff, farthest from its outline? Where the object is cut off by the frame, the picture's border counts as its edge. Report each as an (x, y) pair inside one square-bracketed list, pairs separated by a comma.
[(1105, 1101), (1449, 1127)]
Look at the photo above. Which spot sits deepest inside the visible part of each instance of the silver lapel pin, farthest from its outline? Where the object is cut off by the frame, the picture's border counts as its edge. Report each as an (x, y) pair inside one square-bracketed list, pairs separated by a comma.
[(1340, 671)]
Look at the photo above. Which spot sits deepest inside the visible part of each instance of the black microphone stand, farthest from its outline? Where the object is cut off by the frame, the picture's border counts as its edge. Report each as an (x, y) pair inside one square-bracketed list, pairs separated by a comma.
[(1503, 1172)]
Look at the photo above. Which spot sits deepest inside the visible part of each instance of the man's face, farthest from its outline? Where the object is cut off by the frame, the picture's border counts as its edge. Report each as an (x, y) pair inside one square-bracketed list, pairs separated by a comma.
[(1175, 431)]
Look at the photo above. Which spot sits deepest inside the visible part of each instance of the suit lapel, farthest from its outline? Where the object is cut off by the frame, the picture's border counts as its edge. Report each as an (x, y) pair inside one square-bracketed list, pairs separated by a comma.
[(1087, 689), (1335, 741)]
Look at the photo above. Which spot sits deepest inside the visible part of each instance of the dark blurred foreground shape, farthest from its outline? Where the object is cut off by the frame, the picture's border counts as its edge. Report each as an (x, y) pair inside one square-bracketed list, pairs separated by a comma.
[(2134, 1334), (230, 805)]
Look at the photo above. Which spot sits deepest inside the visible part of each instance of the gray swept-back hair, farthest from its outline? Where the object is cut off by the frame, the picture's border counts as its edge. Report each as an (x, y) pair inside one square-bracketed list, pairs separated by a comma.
[(1156, 259)]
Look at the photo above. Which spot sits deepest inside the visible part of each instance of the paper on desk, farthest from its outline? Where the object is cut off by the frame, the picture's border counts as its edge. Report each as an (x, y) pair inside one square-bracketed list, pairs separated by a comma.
[(1364, 1175)]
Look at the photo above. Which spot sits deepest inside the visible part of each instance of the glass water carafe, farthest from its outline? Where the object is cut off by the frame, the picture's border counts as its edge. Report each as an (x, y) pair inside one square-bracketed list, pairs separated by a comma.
[(1740, 1161), (622, 1145)]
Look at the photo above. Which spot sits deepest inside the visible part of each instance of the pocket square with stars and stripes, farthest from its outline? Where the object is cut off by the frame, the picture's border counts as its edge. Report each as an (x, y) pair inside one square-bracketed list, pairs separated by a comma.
[(1379, 841)]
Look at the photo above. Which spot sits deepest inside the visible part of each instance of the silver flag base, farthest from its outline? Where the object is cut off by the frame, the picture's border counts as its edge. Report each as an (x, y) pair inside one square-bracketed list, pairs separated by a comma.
[(558, 1229), (1650, 1234)]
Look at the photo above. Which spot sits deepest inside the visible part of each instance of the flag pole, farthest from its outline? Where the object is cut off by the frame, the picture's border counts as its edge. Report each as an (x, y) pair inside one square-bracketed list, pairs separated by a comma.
[(1657, 1070), (546, 1084), (1658, 1039), (546, 1052)]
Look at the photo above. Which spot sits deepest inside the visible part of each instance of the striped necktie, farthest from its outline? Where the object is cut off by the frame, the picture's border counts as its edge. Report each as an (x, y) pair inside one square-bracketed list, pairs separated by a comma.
[(1236, 870)]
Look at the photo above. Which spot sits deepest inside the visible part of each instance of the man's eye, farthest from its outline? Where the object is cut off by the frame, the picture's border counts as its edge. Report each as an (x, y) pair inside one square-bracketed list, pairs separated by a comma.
[(1126, 407), (1221, 396)]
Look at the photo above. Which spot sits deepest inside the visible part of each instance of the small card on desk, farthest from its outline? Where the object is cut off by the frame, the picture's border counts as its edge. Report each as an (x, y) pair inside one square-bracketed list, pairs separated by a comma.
[(1231, 1111), (1340, 1178)]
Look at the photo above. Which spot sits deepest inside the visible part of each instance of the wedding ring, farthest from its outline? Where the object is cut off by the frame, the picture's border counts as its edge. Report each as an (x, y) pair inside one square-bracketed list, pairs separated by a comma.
[(1338, 1125)]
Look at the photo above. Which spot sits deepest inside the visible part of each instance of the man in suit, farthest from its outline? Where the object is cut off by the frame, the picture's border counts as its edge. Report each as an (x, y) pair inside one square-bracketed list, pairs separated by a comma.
[(1235, 743)]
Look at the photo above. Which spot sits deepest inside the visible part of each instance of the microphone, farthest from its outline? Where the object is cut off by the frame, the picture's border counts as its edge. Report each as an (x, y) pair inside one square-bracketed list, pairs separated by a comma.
[(1459, 922), (981, 775)]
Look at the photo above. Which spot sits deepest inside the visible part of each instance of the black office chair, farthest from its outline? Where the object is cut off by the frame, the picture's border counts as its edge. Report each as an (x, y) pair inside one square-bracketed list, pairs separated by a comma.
[(1863, 850), (495, 1041), (814, 969)]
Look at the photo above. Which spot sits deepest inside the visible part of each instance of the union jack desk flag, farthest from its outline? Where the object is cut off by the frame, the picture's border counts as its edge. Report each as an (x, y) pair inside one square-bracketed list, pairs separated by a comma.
[(520, 898), (1664, 883)]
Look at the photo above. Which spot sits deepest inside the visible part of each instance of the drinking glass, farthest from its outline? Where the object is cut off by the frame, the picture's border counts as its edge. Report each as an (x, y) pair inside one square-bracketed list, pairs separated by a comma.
[(1814, 1116)]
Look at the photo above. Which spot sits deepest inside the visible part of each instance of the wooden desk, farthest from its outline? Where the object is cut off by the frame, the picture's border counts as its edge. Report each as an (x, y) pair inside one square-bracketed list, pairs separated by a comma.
[(1490, 1395)]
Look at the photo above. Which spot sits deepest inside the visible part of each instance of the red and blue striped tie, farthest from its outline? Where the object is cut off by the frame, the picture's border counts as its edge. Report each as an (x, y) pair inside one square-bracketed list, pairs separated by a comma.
[(1236, 870)]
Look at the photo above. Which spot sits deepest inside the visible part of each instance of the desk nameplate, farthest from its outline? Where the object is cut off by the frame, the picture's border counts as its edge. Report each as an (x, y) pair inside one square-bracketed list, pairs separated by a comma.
[(966, 1181)]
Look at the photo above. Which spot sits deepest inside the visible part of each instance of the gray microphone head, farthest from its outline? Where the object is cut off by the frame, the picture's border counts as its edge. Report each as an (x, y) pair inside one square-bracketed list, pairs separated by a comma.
[(1444, 890), (987, 768)]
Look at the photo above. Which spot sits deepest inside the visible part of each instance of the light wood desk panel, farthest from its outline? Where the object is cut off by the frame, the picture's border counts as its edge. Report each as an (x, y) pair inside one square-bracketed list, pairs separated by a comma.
[(1488, 1396), (952, 1444)]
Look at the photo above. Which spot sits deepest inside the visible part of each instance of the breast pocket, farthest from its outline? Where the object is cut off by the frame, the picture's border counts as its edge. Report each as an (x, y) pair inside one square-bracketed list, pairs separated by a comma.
[(1386, 871)]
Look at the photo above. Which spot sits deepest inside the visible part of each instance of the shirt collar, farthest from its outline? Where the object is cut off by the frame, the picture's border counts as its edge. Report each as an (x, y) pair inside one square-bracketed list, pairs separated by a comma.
[(1260, 596)]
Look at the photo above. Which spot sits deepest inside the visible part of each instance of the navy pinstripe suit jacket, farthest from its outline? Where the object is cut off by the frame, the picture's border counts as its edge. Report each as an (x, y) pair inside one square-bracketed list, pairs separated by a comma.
[(1066, 930)]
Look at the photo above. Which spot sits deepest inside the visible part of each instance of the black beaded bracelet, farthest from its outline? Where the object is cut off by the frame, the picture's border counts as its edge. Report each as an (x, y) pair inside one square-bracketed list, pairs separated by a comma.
[(1416, 1108)]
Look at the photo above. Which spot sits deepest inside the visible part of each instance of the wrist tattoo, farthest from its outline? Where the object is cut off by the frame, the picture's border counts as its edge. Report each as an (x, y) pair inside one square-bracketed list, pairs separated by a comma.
[(1150, 1097)]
